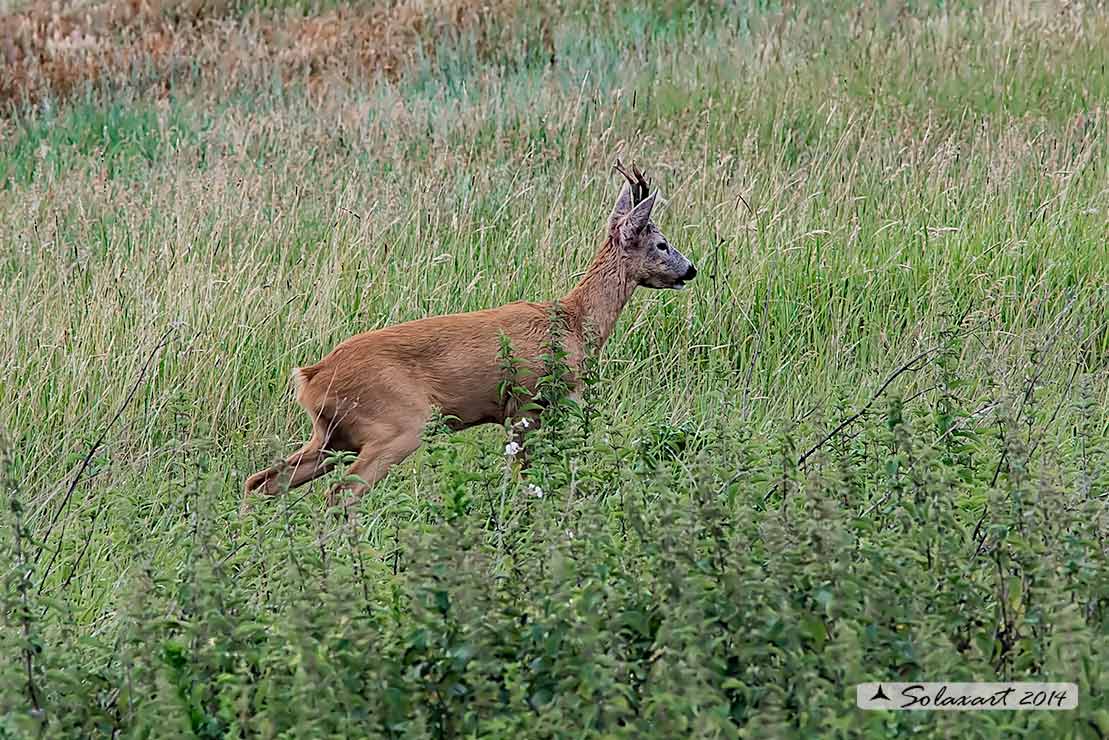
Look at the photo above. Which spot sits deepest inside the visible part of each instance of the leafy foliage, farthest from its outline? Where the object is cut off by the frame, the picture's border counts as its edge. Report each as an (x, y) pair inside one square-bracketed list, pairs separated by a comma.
[(656, 588)]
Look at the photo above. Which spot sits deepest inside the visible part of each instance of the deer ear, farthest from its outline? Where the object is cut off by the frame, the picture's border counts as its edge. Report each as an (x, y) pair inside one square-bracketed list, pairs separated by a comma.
[(634, 223), (622, 207)]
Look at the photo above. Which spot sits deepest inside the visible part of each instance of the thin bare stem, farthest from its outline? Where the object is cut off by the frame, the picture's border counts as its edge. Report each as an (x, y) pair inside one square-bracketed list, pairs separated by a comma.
[(91, 453)]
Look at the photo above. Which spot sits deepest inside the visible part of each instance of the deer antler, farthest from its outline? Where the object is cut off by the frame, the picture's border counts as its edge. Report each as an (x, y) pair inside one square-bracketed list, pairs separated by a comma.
[(640, 187)]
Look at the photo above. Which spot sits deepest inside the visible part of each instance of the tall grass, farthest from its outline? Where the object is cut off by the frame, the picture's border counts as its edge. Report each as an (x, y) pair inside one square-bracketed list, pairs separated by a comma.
[(857, 186)]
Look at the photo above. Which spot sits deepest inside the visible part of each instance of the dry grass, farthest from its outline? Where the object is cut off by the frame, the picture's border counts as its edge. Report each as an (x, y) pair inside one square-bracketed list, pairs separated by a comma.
[(53, 50)]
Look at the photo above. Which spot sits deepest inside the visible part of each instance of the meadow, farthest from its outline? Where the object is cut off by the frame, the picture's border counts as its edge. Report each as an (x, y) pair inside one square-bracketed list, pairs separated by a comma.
[(869, 442)]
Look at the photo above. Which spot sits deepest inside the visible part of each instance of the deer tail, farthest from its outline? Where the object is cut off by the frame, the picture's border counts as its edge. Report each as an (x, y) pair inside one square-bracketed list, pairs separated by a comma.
[(302, 376)]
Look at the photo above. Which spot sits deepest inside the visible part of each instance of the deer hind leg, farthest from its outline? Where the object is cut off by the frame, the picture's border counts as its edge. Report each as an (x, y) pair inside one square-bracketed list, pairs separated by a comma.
[(307, 463), (385, 448)]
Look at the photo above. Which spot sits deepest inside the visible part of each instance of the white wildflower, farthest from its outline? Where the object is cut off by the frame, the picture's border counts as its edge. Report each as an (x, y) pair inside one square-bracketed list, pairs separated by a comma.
[(512, 449), (535, 490), (525, 423)]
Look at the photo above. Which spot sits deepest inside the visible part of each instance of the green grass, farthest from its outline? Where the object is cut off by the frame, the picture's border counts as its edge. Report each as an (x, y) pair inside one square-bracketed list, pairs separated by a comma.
[(857, 187), (116, 140)]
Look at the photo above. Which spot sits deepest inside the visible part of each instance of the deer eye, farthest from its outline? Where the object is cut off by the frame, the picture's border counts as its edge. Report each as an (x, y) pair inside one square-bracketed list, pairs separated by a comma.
[(663, 247)]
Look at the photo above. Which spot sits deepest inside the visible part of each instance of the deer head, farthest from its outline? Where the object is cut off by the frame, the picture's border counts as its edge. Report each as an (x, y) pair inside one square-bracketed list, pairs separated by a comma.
[(650, 260)]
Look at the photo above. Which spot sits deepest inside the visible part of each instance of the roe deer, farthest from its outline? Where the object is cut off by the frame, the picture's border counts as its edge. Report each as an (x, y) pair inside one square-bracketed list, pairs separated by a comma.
[(374, 393)]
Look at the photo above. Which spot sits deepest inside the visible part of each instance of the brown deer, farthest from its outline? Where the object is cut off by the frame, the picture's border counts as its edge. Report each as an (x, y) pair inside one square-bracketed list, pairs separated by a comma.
[(375, 392)]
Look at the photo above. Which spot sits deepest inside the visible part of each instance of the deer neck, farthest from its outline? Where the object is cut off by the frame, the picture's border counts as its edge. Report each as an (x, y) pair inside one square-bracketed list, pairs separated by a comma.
[(596, 301)]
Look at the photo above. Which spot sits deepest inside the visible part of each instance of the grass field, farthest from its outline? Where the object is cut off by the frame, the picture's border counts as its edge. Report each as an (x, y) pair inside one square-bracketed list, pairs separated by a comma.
[(898, 209)]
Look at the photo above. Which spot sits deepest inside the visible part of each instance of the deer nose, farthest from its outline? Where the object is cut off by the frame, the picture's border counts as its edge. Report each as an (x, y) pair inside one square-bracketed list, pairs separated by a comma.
[(690, 273)]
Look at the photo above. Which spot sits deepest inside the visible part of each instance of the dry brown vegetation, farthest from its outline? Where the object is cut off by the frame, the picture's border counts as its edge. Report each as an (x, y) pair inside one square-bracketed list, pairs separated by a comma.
[(52, 49)]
